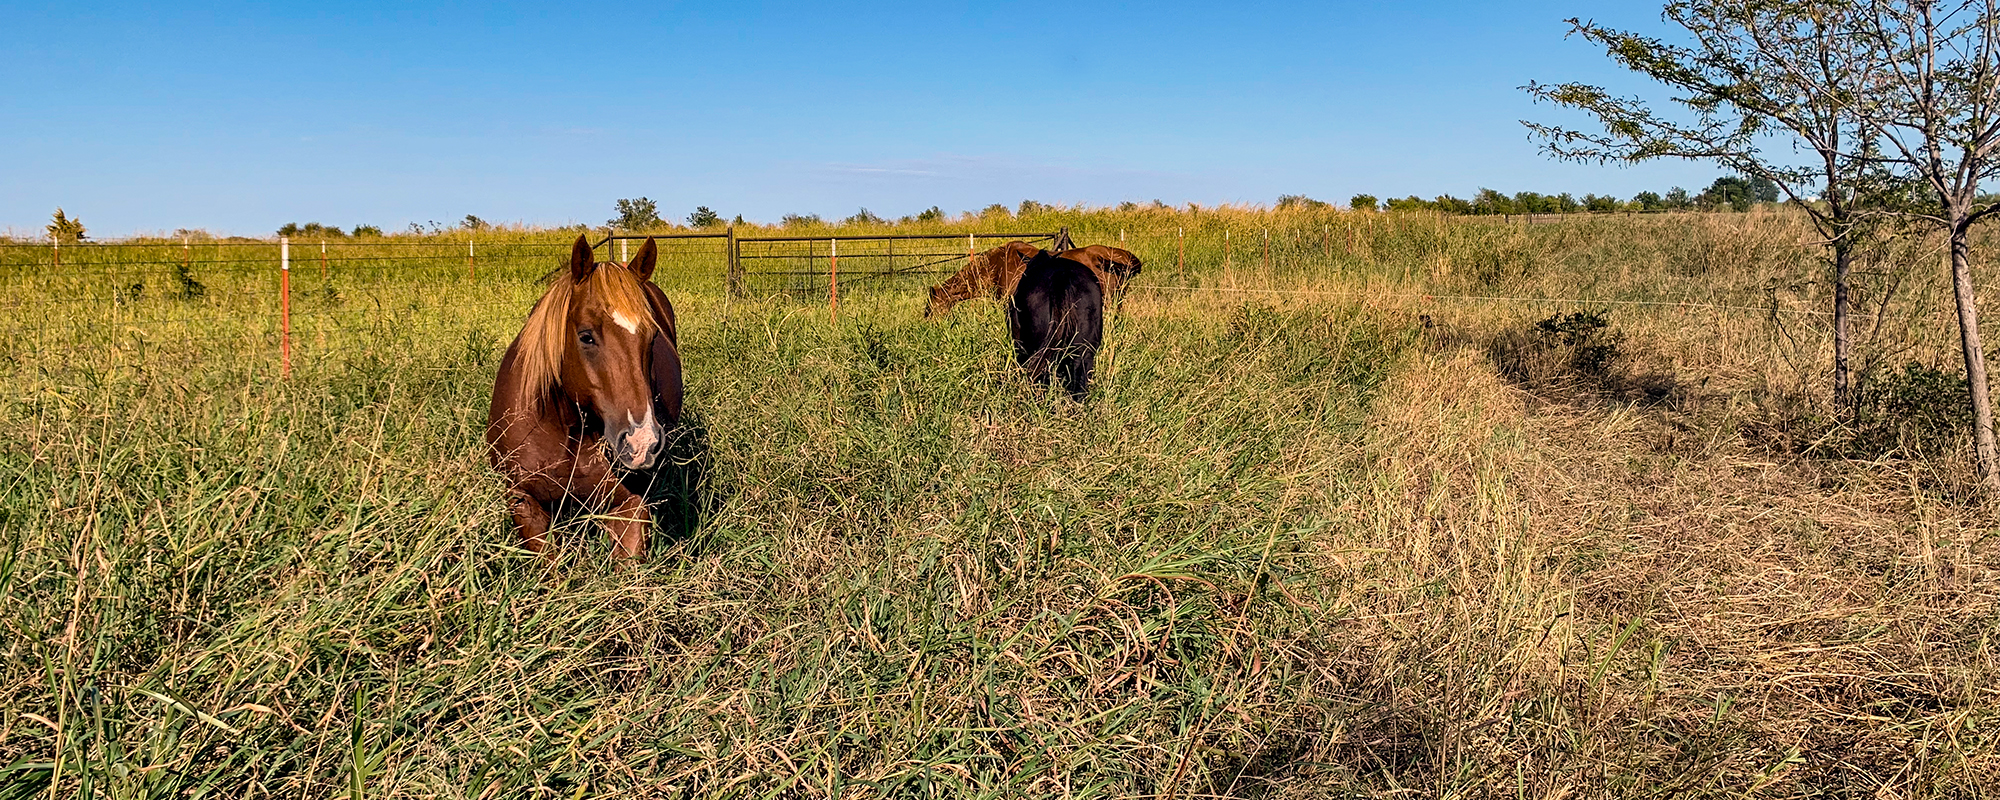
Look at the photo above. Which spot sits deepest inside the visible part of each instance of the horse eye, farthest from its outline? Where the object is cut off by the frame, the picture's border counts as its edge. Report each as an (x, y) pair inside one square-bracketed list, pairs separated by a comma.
[(587, 337)]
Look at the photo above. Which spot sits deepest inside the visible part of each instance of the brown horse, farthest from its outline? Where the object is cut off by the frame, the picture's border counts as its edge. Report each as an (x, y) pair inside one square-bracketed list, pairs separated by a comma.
[(585, 397), (1114, 266), (991, 274), (995, 273)]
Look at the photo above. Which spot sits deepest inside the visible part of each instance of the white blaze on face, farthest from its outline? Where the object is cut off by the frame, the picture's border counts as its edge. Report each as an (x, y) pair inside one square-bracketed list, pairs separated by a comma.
[(629, 324)]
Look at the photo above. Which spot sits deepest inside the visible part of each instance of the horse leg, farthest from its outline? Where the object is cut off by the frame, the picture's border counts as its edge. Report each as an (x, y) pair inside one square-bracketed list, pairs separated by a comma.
[(531, 519), (630, 521)]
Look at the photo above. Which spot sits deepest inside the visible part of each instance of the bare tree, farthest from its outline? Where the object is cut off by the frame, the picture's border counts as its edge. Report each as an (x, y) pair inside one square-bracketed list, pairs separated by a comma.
[(1773, 71), (1936, 101)]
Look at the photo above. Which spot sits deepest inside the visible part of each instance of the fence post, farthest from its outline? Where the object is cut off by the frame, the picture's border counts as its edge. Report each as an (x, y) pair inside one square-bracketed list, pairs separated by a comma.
[(1180, 254), (1226, 262), (970, 250), (322, 261), (470, 274), (622, 254), (58, 250), (285, 302), (833, 282), (735, 266)]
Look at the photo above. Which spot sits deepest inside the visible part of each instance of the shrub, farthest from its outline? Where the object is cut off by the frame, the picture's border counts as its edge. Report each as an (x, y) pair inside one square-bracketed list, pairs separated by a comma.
[(800, 220), (1918, 409), (367, 230), (864, 217), (704, 217), (1361, 202), (1577, 355)]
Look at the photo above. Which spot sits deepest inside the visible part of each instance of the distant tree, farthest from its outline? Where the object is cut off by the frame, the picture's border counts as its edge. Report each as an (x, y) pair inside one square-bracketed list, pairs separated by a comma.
[(1030, 207), (1296, 202), (738, 220), (995, 210), (800, 220), (472, 223), (1451, 205), (864, 217), (67, 230), (1599, 203), (1727, 191), (1361, 202), (1534, 203), (1567, 204), (1763, 190), (367, 230), (637, 215), (1411, 203), (932, 214), (1488, 201), (1677, 199), (1649, 201), (704, 217)]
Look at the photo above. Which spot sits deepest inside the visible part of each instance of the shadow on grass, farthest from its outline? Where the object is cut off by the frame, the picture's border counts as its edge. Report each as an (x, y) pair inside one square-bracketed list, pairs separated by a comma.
[(682, 491)]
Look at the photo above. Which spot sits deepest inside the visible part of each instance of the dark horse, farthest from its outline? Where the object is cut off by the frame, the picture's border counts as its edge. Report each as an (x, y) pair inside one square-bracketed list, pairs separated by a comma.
[(585, 398), (1057, 321)]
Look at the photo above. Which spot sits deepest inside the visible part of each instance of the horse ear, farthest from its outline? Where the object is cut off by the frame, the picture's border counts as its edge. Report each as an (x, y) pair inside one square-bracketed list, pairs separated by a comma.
[(581, 259), (648, 257)]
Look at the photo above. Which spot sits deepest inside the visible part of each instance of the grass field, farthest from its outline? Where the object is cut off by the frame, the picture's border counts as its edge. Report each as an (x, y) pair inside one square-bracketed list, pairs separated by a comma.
[(1341, 526)]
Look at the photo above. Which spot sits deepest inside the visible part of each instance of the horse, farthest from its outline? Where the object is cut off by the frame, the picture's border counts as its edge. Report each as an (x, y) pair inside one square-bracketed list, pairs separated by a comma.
[(1115, 266), (1057, 321), (585, 397), (990, 274), (995, 272)]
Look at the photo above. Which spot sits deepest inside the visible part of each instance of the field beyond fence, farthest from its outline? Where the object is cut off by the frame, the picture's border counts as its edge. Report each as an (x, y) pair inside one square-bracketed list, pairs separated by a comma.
[(1361, 505)]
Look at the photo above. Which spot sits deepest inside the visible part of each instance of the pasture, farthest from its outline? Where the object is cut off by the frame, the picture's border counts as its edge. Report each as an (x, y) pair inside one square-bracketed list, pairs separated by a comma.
[(1343, 523)]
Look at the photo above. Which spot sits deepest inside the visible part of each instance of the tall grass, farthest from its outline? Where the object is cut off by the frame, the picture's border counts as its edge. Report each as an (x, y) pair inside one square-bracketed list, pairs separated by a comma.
[(1298, 544)]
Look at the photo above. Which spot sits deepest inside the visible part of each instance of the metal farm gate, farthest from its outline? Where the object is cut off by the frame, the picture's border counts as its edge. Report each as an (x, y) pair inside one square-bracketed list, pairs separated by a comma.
[(816, 267)]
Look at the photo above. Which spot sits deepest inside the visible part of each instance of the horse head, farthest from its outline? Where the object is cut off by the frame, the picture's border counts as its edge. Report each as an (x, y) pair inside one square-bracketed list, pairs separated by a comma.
[(618, 364)]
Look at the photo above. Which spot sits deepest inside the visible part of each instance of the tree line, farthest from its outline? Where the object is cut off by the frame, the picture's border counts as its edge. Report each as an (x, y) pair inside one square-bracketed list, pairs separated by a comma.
[(1727, 193)]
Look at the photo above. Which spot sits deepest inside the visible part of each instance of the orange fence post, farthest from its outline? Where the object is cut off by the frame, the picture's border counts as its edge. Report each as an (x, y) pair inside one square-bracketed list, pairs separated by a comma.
[(285, 302), (833, 282)]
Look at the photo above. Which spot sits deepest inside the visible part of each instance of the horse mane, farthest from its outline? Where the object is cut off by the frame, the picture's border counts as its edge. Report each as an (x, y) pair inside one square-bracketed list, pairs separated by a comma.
[(545, 337)]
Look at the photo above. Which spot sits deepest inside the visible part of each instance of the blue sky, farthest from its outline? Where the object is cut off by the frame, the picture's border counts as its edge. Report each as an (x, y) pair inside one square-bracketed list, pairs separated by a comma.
[(239, 118)]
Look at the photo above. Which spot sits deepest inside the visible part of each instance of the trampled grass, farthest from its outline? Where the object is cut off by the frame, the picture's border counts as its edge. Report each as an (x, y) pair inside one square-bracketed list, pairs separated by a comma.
[(1299, 544)]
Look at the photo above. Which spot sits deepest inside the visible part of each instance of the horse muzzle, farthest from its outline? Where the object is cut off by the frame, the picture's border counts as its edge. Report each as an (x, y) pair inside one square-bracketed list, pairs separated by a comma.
[(639, 445)]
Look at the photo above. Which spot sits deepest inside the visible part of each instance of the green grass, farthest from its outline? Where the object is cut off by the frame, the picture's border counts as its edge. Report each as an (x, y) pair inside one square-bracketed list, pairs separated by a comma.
[(1296, 545)]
